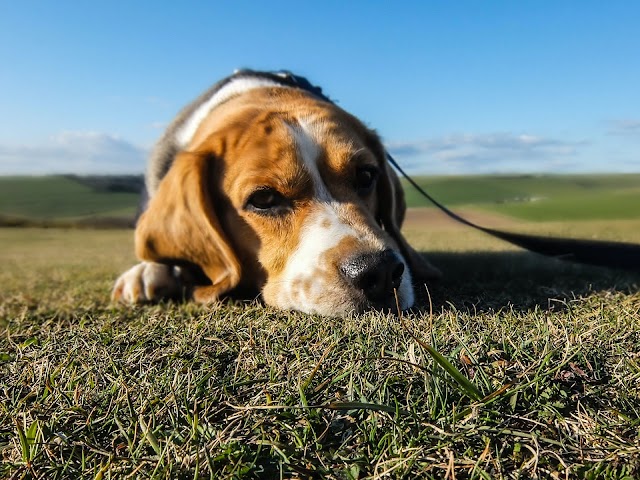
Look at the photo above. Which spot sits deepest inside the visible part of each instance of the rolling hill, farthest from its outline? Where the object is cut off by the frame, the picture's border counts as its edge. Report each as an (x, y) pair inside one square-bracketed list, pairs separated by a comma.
[(71, 200)]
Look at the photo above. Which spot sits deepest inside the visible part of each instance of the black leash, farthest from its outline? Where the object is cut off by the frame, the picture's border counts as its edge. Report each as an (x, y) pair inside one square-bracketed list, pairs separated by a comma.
[(591, 252)]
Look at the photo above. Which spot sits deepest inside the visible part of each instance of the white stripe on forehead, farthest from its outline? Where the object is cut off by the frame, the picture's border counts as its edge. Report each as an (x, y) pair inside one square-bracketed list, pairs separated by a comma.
[(306, 135), (235, 87)]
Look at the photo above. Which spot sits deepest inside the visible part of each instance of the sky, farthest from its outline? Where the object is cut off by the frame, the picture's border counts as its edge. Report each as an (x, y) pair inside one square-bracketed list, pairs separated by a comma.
[(452, 87)]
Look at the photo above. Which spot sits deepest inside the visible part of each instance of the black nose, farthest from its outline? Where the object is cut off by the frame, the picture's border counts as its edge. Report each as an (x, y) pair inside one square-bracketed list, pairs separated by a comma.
[(376, 274)]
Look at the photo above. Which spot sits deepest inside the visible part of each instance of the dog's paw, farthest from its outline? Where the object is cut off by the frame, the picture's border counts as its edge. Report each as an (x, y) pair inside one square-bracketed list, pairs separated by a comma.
[(148, 282)]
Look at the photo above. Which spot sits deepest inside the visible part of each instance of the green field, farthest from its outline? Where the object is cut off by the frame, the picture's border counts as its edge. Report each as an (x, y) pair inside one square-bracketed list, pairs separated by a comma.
[(61, 198), (538, 197), (239, 390), (528, 197)]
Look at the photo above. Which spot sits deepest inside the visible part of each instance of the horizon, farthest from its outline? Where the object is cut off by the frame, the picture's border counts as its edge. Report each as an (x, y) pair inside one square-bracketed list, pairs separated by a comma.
[(498, 89), (506, 175)]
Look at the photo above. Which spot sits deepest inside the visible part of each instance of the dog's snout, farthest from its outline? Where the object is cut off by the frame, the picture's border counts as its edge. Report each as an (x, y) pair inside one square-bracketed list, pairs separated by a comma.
[(376, 274)]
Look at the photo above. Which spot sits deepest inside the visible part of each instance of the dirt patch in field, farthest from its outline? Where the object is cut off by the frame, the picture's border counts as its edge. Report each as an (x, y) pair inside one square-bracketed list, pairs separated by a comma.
[(419, 217)]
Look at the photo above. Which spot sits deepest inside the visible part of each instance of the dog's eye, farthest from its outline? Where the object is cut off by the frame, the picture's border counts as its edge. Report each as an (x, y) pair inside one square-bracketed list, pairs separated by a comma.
[(267, 201), (366, 179)]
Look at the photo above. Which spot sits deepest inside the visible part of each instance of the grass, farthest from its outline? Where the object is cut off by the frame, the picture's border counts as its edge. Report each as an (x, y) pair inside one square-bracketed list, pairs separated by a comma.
[(539, 197), (239, 390), (61, 197)]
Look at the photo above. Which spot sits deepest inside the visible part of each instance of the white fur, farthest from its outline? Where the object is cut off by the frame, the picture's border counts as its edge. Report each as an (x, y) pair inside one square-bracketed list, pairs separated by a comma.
[(231, 89), (147, 281), (305, 288), (306, 136), (303, 284), (304, 264)]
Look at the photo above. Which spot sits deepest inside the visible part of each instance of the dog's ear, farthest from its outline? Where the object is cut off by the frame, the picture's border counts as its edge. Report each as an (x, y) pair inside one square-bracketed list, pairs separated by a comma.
[(392, 208), (180, 225)]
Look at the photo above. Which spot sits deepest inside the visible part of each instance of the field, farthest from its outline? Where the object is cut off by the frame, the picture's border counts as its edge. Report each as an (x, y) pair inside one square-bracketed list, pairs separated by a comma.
[(69, 200), (238, 390), (65, 200), (539, 197)]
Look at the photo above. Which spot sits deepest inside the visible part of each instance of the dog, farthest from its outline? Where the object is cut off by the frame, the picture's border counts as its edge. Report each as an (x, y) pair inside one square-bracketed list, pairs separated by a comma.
[(263, 184)]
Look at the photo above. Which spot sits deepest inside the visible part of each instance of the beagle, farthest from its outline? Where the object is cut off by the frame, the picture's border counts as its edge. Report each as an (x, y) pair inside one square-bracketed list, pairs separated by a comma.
[(263, 184)]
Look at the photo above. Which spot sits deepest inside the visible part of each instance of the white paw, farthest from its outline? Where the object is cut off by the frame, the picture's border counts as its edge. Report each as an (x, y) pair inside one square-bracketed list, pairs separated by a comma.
[(148, 282)]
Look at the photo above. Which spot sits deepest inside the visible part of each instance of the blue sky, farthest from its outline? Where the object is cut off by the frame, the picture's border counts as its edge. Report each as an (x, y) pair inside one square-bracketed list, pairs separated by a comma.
[(452, 87)]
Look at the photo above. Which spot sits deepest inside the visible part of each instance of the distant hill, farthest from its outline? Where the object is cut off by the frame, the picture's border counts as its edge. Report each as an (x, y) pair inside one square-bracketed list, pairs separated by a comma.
[(71, 200), (537, 197), (111, 183)]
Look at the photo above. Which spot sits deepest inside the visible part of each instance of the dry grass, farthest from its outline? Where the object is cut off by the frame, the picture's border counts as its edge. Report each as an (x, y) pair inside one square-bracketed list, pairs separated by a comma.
[(91, 390)]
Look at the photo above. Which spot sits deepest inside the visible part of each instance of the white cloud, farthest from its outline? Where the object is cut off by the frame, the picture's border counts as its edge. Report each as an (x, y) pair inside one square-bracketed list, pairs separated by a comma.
[(100, 153), (74, 152), (627, 126), (488, 153)]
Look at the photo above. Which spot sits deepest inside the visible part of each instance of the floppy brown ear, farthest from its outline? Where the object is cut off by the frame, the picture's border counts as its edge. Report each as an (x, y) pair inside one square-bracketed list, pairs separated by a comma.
[(180, 225), (391, 214)]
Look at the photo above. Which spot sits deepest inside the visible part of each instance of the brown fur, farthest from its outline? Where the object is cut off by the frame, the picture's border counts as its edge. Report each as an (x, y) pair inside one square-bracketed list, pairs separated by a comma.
[(197, 216)]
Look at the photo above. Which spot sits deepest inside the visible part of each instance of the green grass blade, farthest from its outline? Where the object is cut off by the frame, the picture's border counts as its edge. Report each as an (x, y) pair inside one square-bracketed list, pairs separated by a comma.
[(22, 439), (150, 436), (32, 437), (467, 386)]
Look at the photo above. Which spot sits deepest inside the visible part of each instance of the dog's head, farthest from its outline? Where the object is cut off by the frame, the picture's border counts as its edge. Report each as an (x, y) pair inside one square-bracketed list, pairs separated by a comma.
[(291, 195)]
